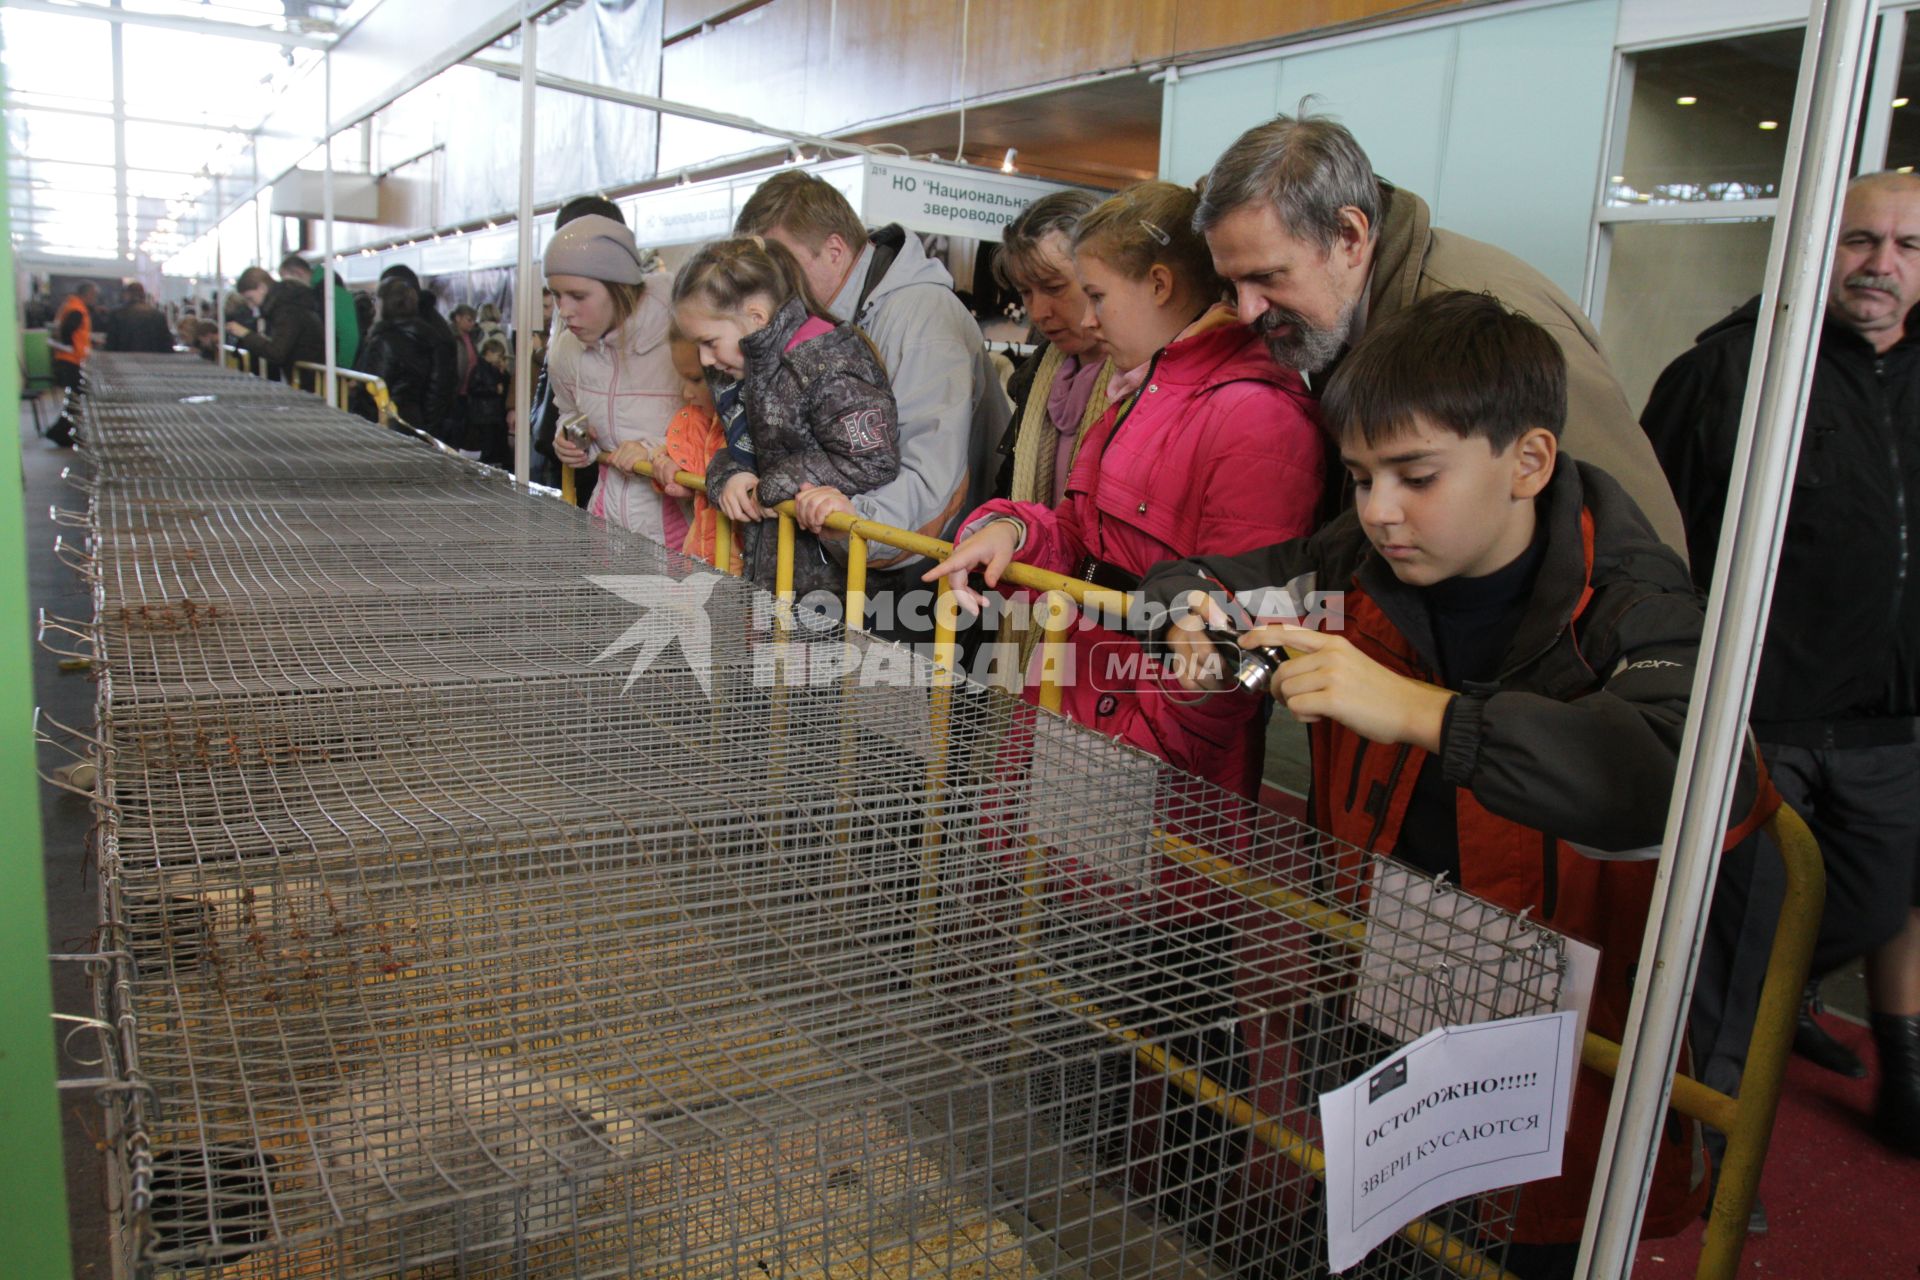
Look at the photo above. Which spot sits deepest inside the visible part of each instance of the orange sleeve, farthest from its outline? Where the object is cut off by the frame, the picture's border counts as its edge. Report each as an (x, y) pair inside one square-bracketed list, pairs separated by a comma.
[(690, 438)]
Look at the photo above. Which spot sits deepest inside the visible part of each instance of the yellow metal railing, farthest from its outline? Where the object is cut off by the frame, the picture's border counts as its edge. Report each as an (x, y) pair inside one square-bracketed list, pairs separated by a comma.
[(1747, 1121), (313, 377), (308, 376)]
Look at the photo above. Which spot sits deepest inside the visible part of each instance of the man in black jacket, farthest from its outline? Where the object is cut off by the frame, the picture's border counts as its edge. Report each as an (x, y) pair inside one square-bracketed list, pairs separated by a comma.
[(405, 352), (295, 331), (439, 335), (1836, 704), (138, 324)]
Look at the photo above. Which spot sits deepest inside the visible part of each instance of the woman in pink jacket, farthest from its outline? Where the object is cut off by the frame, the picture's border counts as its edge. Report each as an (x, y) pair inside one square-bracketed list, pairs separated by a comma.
[(1209, 447)]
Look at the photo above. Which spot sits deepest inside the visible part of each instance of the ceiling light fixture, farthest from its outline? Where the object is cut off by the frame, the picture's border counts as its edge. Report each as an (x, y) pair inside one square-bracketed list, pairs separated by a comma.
[(1686, 101), (1769, 124)]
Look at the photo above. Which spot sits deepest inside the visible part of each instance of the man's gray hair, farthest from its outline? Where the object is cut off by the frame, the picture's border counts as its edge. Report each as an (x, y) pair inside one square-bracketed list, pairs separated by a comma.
[(1883, 178), (1308, 167)]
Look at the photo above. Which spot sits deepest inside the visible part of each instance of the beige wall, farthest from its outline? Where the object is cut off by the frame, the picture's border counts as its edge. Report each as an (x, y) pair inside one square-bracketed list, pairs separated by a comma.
[(829, 65), (1646, 321)]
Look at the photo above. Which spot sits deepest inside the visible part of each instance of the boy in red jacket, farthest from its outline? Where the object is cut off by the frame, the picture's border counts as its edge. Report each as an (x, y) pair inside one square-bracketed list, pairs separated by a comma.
[(1500, 692)]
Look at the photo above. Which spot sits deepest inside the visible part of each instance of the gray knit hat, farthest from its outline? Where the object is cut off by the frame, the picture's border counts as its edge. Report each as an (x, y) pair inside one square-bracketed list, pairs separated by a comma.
[(596, 247)]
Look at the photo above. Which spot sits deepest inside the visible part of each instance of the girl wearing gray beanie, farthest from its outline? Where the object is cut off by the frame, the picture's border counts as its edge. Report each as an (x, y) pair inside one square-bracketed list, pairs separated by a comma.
[(610, 366)]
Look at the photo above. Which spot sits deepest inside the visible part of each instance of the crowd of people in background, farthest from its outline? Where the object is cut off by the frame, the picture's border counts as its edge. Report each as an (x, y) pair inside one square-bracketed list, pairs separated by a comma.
[(1287, 377)]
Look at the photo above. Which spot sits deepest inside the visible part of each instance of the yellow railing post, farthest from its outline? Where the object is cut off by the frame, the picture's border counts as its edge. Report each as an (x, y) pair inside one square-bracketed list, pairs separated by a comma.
[(856, 611), (722, 541), (783, 563), (1765, 1072), (1054, 653)]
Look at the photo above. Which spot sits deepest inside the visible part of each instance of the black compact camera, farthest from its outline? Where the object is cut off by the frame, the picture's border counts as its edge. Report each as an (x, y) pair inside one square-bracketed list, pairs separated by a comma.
[(1252, 669)]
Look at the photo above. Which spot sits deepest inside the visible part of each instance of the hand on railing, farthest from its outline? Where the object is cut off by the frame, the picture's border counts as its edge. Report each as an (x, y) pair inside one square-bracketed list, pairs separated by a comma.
[(815, 503), (989, 550), (740, 498), (660, 462)]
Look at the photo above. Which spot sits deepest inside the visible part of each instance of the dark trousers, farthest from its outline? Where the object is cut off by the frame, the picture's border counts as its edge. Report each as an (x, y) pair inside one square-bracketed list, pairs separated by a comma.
[(1863, 805), (66, 376)]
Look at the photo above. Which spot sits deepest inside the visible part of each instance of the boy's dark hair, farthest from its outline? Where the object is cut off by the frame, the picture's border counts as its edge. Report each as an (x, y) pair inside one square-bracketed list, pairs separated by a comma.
[(492, 345), (298, 263), (252, 278), (581, 206), (1462, 361), (463, 310)]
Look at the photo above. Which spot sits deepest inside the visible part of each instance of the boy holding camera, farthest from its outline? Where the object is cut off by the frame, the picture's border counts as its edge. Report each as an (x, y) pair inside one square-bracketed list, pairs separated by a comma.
[(1500, 691)]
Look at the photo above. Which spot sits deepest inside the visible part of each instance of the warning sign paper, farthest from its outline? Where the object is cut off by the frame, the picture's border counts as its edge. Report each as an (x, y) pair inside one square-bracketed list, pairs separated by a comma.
[(1459, 1111)]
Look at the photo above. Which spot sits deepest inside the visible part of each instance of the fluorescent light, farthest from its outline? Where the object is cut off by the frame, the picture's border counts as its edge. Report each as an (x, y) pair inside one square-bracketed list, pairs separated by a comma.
[(1686, 101), (1769, 124), (1618, 177), (1899, 102)]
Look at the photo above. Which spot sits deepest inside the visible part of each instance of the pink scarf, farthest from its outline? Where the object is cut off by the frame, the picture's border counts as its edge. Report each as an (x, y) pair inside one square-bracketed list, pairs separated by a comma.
[(1066, 404)]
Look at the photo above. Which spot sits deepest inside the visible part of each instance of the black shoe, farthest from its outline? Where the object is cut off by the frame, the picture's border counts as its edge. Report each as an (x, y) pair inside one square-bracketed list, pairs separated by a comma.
[(61, 433), (1811, 1041), (1896, 1111)]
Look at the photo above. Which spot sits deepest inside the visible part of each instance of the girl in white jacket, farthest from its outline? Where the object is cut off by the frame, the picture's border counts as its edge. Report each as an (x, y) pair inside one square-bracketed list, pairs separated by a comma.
[(610, 367)]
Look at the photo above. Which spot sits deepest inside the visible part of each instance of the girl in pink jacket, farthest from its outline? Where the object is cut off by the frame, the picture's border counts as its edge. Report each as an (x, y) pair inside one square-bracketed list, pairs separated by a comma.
[(1209, 446)]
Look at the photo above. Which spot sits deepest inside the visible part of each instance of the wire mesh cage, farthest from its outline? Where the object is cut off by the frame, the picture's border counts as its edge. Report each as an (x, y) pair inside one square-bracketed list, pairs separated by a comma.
[(540, 932)]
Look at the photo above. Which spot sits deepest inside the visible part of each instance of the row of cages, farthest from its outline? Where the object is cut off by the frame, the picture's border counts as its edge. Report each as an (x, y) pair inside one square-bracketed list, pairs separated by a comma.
[(482, 894)]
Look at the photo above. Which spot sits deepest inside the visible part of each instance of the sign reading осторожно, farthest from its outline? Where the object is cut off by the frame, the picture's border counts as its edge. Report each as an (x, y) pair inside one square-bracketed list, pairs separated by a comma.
[(1459, 1111)]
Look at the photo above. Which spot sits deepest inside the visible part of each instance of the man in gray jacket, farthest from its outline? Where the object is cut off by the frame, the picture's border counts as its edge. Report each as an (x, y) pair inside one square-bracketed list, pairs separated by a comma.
[(952, 410)]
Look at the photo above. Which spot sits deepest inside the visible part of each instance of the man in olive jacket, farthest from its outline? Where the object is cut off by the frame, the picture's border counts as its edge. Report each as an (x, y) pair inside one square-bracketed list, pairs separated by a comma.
[(1318, 250)]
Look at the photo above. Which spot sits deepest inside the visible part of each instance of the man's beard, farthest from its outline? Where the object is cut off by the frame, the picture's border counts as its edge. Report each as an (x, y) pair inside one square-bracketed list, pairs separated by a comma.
[(1309, 348)]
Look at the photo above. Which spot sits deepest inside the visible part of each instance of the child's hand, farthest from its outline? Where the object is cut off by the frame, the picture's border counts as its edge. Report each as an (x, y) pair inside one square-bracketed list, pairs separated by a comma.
[(989, 549), (664, 470), (815, 502), (626, 457), (1329, 678), (567, 451), (1197, 661), (740, 498)]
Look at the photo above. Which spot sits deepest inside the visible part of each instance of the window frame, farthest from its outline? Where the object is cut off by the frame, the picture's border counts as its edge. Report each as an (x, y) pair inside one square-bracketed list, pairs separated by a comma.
[(1883, 79)]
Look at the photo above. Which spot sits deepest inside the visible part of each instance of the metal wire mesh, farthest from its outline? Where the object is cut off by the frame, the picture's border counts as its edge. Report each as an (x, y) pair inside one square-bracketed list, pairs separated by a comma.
[(442, 946)]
